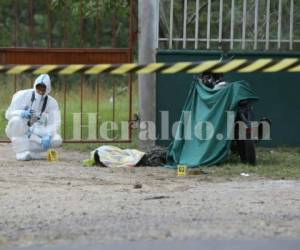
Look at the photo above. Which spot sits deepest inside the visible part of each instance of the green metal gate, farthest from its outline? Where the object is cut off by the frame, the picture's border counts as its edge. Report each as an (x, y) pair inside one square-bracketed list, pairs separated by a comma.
[(278, 92)]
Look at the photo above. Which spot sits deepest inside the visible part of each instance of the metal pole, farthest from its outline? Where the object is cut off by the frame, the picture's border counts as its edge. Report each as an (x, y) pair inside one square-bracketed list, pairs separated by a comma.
[(148, 42), (114, 107), (279, 24), (291, 24), (130, 107), (255, 23), (268, 25), (232, 24), (220, 21), (208, 25), (197, 24), (81, 106), (184, 24), (65, 108), (171, 24), (130, 78), (244, 24)]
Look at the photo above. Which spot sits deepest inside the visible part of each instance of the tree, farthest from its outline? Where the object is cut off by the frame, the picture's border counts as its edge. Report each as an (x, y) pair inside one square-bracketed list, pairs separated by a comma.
[(64, 23)]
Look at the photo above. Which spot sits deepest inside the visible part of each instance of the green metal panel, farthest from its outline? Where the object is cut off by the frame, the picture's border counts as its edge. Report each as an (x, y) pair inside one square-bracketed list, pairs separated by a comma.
[(278, 92)]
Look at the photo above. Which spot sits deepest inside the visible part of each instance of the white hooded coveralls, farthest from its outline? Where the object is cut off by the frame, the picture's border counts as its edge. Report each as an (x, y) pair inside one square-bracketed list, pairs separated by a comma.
[(26, 140)]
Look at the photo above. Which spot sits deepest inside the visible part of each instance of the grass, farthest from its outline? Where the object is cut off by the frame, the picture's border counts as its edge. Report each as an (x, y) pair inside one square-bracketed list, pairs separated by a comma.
[(272, 163)]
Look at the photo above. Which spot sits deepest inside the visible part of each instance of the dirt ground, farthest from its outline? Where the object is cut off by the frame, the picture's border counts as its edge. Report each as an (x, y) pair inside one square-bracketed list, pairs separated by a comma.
[(64, 202)]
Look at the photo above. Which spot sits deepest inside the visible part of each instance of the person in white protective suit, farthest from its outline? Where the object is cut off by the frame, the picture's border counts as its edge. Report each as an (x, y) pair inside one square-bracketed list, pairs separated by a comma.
[(33, 120)]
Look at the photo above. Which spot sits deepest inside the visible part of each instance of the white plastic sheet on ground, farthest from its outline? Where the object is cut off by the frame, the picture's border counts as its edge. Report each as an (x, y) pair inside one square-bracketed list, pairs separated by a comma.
[(112, 156)]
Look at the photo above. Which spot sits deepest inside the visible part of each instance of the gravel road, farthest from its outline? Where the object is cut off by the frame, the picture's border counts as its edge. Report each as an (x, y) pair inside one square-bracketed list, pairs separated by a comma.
[(45, 203)]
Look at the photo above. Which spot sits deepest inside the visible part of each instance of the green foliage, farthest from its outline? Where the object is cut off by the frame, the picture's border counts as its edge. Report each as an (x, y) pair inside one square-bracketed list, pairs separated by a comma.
[(57, 23)]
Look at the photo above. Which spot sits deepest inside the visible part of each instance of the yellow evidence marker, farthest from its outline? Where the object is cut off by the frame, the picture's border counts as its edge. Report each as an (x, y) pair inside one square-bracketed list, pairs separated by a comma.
[(181, 170), (52, 155)]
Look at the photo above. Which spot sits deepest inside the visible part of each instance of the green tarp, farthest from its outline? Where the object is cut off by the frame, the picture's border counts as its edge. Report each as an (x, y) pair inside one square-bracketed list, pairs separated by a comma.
[(196, 143)]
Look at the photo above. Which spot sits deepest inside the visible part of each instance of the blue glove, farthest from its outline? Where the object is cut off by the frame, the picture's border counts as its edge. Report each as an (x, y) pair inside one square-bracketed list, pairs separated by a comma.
[(46, 141), (27, 113)]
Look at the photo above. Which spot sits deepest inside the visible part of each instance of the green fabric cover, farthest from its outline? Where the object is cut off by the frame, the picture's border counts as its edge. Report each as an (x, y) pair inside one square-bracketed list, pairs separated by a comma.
[(205, 104)]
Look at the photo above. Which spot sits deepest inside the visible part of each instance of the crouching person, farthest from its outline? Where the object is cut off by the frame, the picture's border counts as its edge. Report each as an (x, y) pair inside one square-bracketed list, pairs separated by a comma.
[(33, 120)]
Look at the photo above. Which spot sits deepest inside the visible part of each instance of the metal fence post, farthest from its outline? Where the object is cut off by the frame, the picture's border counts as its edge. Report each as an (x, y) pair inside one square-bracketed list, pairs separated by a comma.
[(148, 42)]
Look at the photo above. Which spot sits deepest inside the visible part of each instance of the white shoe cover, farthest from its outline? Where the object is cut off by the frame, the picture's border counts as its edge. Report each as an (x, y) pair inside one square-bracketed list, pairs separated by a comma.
[(36, 156), (24, 156)]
